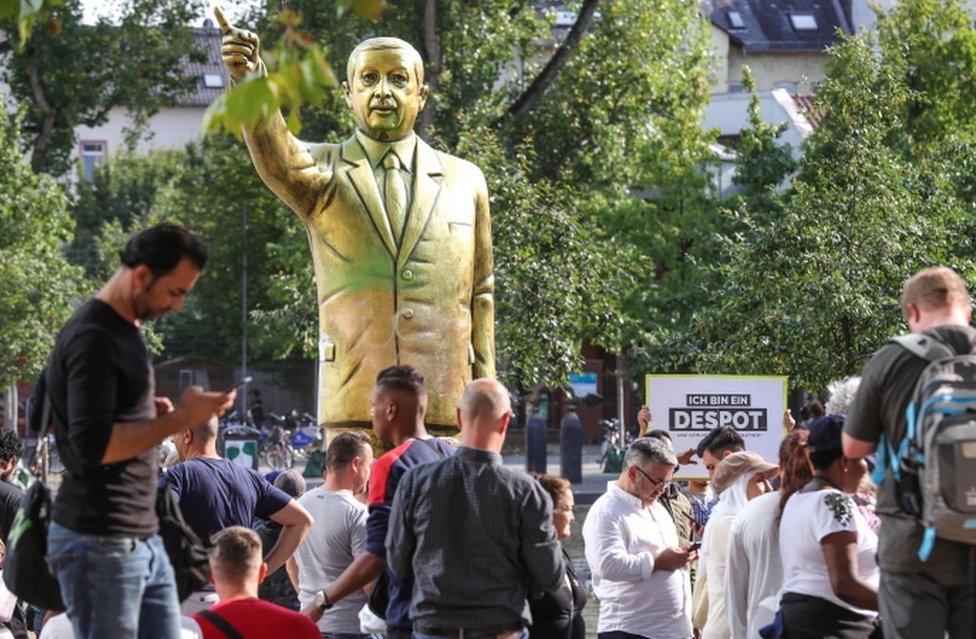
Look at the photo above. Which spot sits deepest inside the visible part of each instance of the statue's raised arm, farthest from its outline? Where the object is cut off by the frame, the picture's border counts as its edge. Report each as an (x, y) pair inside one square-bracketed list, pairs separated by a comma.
[(286, 164)]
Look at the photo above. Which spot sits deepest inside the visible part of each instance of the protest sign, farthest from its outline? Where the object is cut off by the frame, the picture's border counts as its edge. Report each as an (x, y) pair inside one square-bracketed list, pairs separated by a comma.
[(689, 406)]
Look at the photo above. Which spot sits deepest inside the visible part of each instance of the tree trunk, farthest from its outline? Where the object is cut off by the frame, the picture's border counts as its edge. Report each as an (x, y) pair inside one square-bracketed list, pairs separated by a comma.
[(48, 116), (10, 399), (432, 67), (531, 96)]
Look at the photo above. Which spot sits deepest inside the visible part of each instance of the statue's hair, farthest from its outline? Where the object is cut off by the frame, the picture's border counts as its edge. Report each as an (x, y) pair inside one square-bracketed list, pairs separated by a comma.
[(377, 44)]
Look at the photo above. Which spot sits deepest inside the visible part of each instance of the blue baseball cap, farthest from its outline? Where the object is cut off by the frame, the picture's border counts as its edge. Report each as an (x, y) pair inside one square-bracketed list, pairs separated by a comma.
[(825, 433)]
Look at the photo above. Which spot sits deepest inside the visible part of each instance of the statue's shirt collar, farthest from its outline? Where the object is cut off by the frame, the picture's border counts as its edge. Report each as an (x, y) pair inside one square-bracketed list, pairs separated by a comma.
[(376, 150)]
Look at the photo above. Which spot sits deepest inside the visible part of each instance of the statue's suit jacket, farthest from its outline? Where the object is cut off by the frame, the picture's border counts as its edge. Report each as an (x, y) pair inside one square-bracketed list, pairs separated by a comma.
[(427, 301)]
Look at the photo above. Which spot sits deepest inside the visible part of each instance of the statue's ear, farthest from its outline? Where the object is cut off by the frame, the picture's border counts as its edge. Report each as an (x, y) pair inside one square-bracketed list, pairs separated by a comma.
[(345, 92), (423, 93)]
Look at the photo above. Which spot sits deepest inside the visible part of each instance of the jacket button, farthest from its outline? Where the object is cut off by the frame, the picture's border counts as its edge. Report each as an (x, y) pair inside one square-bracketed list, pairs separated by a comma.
[(407, 313), (407, 274)]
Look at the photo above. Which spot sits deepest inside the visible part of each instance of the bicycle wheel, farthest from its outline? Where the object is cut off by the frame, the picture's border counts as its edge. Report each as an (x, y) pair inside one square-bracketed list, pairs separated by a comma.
[(279, 457)]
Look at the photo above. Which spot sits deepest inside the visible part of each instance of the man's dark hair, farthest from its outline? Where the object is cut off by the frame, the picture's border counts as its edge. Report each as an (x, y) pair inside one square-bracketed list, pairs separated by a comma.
[(344, 448), (291, 482), (11, 445), (403, 378), (161, 247), (720, 440), (816, 409)]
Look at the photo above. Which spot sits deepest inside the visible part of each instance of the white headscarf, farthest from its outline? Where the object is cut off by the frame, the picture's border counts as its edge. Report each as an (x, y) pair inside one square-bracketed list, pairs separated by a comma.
[(730, 501)]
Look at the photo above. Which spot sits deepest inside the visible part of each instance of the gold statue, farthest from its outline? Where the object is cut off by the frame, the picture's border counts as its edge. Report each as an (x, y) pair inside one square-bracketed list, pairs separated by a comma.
[(400, 236)]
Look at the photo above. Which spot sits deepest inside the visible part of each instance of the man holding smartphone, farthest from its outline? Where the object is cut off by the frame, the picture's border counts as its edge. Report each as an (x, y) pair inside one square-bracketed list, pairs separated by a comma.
[(103, 544)]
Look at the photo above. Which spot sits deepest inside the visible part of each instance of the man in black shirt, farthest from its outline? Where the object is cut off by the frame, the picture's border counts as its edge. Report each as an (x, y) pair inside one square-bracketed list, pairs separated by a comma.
[(103, 545), (474, 534), (918, 599)]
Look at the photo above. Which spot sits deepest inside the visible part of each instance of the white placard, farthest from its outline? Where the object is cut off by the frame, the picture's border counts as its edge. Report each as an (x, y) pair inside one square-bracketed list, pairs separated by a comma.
[(689, 406)]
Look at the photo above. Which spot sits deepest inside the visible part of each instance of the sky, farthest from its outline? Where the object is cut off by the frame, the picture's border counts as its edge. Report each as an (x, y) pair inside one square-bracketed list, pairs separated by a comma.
[(95, 9)]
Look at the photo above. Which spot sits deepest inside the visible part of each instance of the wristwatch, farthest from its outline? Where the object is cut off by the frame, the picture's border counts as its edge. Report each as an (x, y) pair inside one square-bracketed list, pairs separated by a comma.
[(322, 601)]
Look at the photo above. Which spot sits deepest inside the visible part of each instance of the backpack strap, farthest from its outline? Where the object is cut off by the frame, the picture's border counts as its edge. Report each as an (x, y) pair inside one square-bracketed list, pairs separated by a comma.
[(924, 346), (221, 624)]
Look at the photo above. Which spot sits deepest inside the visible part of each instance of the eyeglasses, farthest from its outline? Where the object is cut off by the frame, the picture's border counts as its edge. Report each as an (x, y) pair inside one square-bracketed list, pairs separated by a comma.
[(657, 483), (562, 508)]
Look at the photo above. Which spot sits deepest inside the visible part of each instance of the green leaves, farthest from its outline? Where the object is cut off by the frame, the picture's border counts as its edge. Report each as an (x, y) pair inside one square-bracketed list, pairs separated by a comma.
[(807, 281), (298, 74), (37, 286)]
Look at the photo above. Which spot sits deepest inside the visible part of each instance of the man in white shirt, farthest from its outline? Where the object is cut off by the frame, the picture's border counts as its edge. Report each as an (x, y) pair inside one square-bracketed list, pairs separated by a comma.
[(639, 569), (338, 535)]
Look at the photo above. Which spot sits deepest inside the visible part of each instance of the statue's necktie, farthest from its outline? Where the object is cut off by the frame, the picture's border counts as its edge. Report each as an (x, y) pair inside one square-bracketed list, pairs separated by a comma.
[(394, 194)]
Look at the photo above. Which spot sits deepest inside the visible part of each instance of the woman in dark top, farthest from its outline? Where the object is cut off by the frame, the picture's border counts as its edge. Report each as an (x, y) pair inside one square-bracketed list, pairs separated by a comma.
[(558, 615)]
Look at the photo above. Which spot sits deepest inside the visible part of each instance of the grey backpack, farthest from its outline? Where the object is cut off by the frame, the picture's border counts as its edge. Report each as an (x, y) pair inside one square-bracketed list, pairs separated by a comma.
[(934, 466)]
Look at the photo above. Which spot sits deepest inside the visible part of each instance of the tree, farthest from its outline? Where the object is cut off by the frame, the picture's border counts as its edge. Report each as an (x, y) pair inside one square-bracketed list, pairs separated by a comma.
[(122, 190), (77, 74), (810, 290), (37, 285)]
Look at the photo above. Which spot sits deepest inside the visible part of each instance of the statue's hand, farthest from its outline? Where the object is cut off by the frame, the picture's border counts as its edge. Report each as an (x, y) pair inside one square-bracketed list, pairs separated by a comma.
[(240, 48)]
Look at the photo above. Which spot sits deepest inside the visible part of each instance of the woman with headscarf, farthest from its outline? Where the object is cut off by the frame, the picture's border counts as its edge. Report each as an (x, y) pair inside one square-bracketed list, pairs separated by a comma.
[(740, 478), (830, 575), (754, 571)]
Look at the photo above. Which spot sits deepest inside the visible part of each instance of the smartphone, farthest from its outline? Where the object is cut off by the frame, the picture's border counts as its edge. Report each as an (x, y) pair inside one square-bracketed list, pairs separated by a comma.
[(244, 381), (695, 546)]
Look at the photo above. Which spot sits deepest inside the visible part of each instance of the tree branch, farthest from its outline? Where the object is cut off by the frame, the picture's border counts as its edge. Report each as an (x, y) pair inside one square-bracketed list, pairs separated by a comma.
[(432, 54), (48, 116), (527, 101)]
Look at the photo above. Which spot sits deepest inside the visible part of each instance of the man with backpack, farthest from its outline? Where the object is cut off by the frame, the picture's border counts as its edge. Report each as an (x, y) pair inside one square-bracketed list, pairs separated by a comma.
[(927, 555)]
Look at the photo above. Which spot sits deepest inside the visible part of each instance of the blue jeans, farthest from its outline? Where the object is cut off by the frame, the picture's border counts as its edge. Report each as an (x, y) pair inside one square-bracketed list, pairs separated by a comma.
[(115, 587)]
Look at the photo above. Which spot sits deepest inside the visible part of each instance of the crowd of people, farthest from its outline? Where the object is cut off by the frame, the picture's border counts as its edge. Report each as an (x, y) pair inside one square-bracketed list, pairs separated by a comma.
[(437, 538)]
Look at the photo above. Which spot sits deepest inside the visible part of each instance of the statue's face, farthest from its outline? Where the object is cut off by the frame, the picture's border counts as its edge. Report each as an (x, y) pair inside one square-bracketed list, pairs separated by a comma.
[(384, 94)]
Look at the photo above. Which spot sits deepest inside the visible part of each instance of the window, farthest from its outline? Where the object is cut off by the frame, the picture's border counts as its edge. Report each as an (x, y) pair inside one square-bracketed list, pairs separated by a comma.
[(735, 20), (803, 21), (213, 80), (565, 18), (92, 154)]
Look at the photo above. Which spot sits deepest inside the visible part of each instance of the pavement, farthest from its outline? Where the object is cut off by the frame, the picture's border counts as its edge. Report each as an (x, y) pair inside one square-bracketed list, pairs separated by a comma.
[(594, 481)]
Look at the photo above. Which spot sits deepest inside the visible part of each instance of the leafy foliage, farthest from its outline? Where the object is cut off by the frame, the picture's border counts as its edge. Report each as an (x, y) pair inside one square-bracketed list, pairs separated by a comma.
[(37, 286), (811, 290)]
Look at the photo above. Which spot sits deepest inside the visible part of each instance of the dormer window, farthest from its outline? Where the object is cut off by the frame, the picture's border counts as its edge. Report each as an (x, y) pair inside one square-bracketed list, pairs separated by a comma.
[(213, 80), (735, 20), (803, 21)]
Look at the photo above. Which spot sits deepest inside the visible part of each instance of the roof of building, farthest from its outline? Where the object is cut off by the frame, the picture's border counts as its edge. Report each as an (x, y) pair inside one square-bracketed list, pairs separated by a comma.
[(783, 25), (807, 106), (210, 74)]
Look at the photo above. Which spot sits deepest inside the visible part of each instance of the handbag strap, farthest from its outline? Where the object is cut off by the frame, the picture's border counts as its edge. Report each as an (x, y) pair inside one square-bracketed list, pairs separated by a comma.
[(221, 624)]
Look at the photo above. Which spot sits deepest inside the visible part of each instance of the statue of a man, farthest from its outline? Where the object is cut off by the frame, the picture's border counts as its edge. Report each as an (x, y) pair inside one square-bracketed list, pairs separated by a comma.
[(400, 236)]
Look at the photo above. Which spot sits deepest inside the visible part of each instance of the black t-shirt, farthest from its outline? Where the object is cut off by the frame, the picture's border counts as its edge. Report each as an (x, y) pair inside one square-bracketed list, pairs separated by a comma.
[(559, 614), (10, 497), (99, 375), (887, 386)]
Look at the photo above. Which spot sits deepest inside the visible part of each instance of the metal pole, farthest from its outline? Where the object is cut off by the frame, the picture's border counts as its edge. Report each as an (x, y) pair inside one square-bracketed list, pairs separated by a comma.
[(620, 401), (246, 210)]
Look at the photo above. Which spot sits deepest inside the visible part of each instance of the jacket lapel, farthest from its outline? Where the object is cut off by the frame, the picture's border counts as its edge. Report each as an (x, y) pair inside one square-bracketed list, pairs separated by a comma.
[(361, 176), (426, 188)]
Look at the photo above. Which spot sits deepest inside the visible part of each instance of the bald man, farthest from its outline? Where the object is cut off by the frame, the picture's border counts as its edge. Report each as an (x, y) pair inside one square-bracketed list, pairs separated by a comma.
[(474, 535)]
